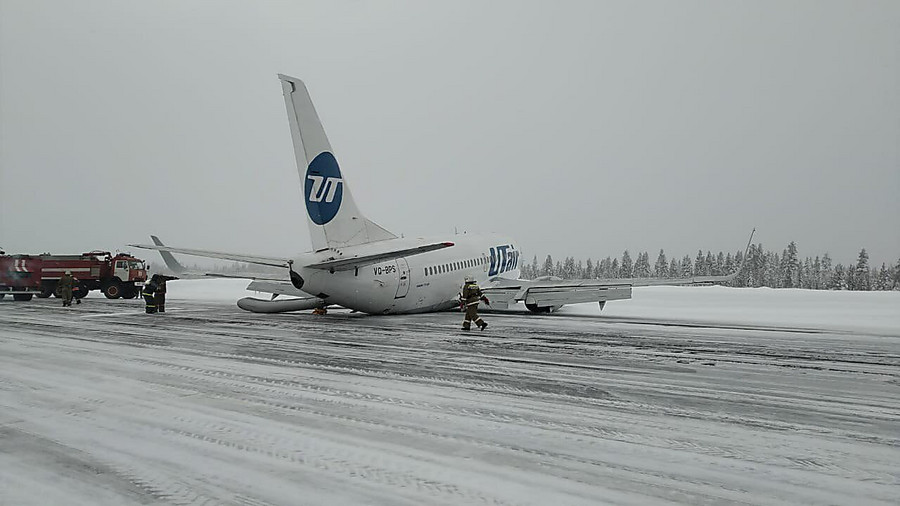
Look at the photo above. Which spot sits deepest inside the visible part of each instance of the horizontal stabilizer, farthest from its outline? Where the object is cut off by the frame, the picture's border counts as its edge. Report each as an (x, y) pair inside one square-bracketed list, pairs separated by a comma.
[(236, 257), (345, 264)]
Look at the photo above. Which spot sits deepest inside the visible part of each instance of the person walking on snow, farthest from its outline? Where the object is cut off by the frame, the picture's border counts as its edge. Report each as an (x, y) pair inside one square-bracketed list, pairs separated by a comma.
[(67, 284), (471, 296), (149, 294)]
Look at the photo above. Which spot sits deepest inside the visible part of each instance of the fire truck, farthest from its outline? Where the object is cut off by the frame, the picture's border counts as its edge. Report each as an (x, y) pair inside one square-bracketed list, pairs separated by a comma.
[(119, 275)]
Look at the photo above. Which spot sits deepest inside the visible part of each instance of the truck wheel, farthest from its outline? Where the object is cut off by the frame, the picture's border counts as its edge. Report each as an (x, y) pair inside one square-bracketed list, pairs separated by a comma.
[(2, 295), (129, 292), (22, 296), (81, 292), (113, 290)]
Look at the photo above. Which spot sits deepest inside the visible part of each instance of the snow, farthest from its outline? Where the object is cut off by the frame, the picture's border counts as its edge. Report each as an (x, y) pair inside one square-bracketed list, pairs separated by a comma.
[(819, 309), (680, 396)]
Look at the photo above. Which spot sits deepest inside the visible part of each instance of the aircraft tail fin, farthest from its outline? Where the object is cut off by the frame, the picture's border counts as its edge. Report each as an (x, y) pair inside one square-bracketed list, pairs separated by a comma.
[(333, 218)]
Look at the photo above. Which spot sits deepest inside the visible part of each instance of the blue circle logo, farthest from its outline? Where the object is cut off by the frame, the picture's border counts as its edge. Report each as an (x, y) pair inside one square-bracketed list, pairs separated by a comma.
[(323, 188)]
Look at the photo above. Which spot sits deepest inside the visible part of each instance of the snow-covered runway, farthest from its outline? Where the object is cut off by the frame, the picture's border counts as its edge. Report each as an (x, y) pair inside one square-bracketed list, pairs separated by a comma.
[(207, 404)]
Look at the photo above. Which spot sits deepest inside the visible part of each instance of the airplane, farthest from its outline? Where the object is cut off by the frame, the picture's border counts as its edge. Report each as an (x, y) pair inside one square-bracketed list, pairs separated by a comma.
[(357, 264)]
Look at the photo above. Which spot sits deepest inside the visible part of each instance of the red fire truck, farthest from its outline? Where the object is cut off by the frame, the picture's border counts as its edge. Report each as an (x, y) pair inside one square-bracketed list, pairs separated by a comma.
[(117, 276)]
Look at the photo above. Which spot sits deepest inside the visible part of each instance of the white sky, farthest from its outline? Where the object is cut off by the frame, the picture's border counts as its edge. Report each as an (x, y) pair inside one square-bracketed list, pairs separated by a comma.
[(580, 128)]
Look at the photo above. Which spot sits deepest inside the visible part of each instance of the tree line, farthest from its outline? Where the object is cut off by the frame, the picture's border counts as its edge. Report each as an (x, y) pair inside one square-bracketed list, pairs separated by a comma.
[(761, 268)]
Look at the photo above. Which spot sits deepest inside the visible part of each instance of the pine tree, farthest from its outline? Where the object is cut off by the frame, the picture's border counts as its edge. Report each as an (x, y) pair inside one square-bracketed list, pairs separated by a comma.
[(861, 278), (884, 278), (589, 269), (674, 269), (826, 273), (757, 263), (895, 277), (547, 270), (614, 268), (535, 268), (686, 270), (719, 265), (605, 268), (642, 266), (627, 268), (806, 275), (838, 278), (568, 269), (698, 264), (661, 268), (789, 266), (816, 274)]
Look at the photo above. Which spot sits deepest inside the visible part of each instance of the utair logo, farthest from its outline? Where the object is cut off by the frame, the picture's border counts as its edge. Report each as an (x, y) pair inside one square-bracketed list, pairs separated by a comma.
[(503, 258), (324, 188)]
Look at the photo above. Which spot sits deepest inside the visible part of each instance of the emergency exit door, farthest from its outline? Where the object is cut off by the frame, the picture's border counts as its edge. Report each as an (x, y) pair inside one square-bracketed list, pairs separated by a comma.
[(403, 282)]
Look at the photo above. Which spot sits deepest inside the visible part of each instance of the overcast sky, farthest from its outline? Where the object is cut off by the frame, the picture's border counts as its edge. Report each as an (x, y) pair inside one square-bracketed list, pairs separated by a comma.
[(579, 128)]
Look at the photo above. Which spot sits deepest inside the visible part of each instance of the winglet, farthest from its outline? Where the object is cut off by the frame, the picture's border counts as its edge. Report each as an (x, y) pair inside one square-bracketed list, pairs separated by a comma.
[(168, 258)]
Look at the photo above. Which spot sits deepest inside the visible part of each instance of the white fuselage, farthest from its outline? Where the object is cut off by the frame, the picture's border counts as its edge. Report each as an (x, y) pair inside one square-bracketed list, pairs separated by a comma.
[(413, 284)]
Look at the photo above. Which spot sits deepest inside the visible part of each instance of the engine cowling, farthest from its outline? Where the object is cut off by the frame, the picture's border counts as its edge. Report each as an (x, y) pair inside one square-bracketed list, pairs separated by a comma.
[(534, 308), (255, 305)]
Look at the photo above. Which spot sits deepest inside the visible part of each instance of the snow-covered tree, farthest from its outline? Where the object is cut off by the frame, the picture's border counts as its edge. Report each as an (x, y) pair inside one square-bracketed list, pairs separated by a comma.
[(627, 268), (838, 278), (826, 273), (674, 269), (698, 263), (883, 280), (790, 265), (860, 277), (661, 267), (895, 276), (547, 269), (686, 269), (568, 268)]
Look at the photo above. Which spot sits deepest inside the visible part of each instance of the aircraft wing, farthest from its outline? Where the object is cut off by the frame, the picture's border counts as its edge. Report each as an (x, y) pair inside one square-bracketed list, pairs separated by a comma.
[(236, 257), (345, 264), (547, 294), (553, 293)]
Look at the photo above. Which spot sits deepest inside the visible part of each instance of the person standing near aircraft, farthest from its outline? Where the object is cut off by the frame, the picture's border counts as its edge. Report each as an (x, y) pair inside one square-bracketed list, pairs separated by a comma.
[(65, 287), (471, 296), (160, 297), (149, 294)]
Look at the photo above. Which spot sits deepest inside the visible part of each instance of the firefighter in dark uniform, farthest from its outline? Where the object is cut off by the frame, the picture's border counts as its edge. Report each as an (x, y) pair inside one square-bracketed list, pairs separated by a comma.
[(149, 294), (67, 284), (471, 296), (161, 291)]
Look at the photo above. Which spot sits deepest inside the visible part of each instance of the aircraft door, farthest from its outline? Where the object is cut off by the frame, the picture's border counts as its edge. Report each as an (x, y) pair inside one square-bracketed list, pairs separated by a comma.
[(403, 275)]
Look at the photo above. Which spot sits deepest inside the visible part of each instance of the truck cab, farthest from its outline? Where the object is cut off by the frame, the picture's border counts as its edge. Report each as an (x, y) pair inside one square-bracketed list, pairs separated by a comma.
[(128, 275)]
